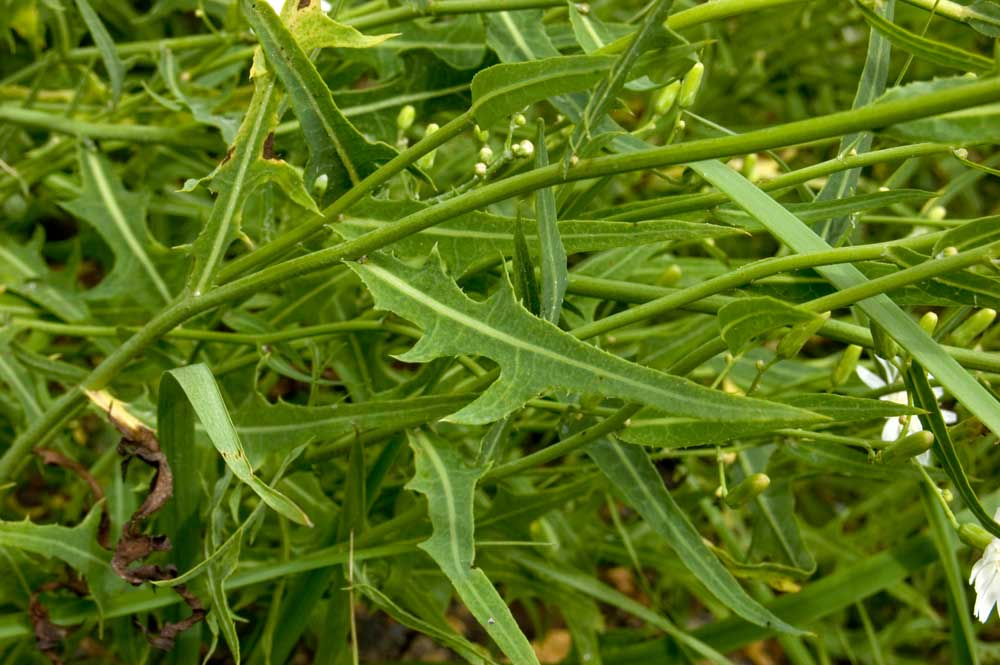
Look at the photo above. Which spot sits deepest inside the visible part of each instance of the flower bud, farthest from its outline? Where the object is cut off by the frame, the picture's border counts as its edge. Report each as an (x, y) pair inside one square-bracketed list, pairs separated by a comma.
[(523, 149), (885, 346), (690, 85), (665, 98), (749, 169), (928, 322), (520, 120), (748, 489), (847, 364), (937, 213), (974, 535), (431, 128), (911, 446), (320, 184), (670, 276), (406, 116), (480, 169), (486, 154), (482, 134), (792, 343), (973, 326), (961, 153)]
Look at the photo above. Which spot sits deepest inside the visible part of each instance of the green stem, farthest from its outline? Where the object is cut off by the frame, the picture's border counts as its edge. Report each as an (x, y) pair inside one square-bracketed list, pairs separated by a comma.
[(379, 177), (869, 117), (253, 339), (446, 8), (671, 205), (187, 136)]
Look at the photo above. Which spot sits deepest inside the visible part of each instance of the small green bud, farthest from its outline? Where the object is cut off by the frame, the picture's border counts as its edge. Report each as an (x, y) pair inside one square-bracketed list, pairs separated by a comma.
[(670, 276), (885, 346), (937, 213), (911, 446), (847, 364), (482, 134), (749, 169), (974, 535), (792, 343), (480, 169), (748, 489), (973, 326), (690, 85), (928, 322), (320, 184), (520, 120), (431, 128), (406, 116), (665, 98)]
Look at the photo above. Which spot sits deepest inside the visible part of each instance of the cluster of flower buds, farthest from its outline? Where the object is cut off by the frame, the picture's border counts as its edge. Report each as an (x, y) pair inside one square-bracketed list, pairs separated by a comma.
[(523, 149)]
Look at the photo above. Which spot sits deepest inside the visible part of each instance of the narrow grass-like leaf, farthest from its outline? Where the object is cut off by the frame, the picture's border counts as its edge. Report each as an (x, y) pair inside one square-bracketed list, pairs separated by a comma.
[(976, 233), (337, 149), (922, 47), (551, 248), (534, 354), (525, 285), (963, 636), (442, 475), (630, 470), (880, 308), (106, 47), (655, 429), (196, 384), (944, 447), (742, 322), (957, 127)]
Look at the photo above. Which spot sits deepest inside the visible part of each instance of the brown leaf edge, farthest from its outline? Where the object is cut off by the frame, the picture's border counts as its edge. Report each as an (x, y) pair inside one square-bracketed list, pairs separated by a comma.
[(139, 441)]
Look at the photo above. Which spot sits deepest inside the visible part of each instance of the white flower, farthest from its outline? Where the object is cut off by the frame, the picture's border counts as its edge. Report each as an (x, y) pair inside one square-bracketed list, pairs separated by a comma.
[(893, 428), (986, 578)]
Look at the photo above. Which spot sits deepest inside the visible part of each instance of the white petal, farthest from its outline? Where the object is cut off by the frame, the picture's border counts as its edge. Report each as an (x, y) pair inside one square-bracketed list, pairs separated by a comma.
[(869, 378), (938, 392), (897, 398), (950, 417), (891, 429), (889, 369), (924, 458), (914, 426), (276, 5)]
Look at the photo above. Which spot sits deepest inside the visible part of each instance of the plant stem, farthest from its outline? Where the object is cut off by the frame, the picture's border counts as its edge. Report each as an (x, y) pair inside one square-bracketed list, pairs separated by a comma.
[(187, 136), (869, 117), (445, 8)]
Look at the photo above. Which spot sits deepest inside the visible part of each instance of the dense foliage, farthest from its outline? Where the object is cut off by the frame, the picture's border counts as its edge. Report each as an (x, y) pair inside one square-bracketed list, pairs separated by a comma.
[(499, 331)]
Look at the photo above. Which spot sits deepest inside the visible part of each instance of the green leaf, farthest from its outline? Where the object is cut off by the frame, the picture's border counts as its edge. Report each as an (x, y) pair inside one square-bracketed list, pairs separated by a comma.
[(881, 309), (274, 430), (106, 47), (525, 286), (248, 165), (77, 546), (312, 29), (743, 322), (119, 216), (656, 429), (822, 210), (469, 240), (944, 448), (984, 16), (457, 43), (982, 290), (24, 272), (976, 233), (504, 89), (940, 53), (196, 384), (632, 473), (442, 475), (552, 249), (534, 355), (336, 148), (590, 586), (964, 126)]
